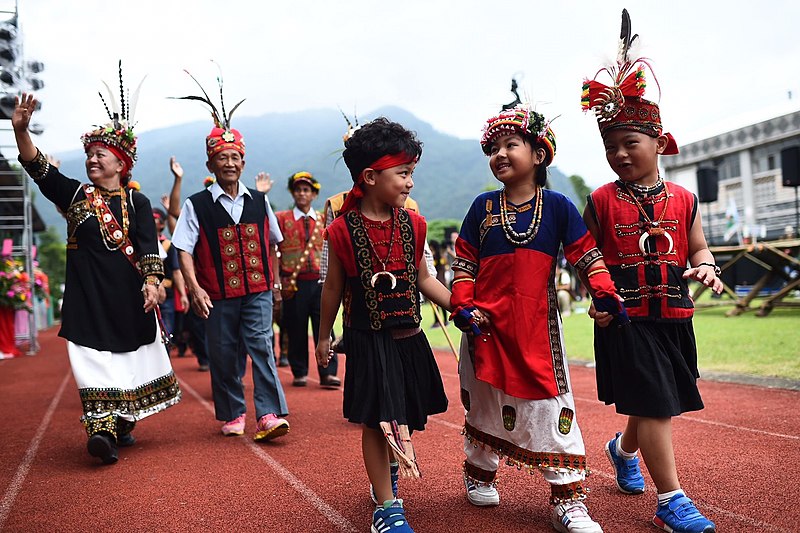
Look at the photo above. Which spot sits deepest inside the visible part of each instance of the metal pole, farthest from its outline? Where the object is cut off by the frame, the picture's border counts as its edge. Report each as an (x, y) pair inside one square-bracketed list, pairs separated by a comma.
[(796, 213)]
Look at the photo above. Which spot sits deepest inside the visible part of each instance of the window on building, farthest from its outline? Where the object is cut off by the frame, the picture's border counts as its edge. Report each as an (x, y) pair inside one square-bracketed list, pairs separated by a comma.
[(764, 191)]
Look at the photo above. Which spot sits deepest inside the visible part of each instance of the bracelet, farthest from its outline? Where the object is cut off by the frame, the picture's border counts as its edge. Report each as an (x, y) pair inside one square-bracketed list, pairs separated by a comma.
[(717, 270), (277, 286)]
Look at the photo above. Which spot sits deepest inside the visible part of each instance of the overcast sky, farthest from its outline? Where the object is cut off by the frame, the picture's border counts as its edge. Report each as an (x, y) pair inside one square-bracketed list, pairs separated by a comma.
[(719, 64)]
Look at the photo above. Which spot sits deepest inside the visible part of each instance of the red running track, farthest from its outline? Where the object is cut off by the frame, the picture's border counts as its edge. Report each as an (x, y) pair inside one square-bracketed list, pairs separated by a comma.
[(737, 459)]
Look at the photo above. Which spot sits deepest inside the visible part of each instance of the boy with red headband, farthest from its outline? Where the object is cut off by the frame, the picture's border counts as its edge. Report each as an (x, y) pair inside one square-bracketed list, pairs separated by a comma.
[(652, 237), (376, 271), (515, 383)]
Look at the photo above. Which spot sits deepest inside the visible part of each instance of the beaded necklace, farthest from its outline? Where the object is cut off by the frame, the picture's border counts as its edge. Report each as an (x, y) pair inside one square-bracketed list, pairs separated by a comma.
[(646, 189), (521, 239), (383, 272), (113, 236)]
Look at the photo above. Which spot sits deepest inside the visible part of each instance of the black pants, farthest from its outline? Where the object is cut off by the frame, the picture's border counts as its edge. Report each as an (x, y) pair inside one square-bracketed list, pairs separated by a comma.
[(296, 312)]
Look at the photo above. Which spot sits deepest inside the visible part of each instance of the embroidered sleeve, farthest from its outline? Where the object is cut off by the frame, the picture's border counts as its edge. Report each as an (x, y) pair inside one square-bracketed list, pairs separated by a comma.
[(588, 258), (38, 168), (151, 265)]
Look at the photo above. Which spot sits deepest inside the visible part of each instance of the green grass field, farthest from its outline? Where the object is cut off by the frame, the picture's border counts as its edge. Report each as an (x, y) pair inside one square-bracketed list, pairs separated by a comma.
[(746, 344)]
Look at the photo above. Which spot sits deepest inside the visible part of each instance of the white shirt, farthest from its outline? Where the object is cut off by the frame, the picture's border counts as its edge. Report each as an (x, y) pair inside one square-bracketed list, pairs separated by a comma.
[(299, 214), (187, 229)]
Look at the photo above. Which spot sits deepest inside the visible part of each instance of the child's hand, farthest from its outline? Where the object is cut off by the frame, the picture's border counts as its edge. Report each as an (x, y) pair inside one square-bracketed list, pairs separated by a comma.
[(609, 305), (705, 274), (601, 318), (467, 319), (324, 353)]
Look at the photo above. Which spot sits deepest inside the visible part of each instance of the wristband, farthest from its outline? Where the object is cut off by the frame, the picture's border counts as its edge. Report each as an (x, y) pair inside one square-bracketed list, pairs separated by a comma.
[(717, 270)]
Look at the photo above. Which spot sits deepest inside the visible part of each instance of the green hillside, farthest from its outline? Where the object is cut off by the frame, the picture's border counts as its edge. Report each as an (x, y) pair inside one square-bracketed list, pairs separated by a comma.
[(450, 174)]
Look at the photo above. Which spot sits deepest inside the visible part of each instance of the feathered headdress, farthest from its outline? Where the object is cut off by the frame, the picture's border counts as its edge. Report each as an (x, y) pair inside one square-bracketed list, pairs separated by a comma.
[(621, 105), (117, 135), (222, 136), (351, 129)]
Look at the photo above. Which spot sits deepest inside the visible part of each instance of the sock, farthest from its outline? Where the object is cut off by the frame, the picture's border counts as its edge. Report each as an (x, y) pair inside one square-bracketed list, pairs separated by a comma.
[(396, 502), (665, 497), (622, 453)]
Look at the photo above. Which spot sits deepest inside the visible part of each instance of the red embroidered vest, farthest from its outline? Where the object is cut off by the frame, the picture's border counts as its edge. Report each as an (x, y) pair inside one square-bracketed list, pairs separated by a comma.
[(232, 260), (296, 250), (647, 270)]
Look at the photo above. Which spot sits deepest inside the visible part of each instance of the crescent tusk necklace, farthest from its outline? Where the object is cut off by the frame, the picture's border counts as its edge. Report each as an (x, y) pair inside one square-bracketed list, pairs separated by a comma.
[(653, 228), (383, 273)]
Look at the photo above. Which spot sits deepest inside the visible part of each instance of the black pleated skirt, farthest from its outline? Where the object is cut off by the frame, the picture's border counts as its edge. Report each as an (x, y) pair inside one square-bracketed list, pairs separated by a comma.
[(648, 369), (390, 379)]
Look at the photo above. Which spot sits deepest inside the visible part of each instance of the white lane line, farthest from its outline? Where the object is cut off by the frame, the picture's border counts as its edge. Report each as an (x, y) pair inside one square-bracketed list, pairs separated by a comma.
[(22, 470), (714, 423), (341, 523)]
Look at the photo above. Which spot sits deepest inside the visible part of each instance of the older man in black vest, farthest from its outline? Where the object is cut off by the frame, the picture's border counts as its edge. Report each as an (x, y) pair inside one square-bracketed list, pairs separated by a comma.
[(227, 236)]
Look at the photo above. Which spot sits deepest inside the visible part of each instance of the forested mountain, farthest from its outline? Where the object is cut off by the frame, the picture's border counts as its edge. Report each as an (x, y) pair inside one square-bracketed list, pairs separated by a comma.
[(450, 174)]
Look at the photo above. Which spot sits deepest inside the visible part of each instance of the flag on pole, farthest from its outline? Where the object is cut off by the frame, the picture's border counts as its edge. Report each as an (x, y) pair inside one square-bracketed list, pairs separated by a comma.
[(733, 225)]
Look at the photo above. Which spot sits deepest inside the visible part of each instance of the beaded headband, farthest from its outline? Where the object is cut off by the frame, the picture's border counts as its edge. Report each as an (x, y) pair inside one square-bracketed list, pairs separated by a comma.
[(521, 120)]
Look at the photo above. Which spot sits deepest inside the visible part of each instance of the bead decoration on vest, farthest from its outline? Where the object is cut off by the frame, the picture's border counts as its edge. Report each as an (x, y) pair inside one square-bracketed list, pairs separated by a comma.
[(521, 239), (652, 228), (377, 275)]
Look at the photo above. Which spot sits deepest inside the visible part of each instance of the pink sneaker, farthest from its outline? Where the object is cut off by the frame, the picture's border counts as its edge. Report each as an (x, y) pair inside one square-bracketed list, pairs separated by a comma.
[(234, 427), (270, 427)]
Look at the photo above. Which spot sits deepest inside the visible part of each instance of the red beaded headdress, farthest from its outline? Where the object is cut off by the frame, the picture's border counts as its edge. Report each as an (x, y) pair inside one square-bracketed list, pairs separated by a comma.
[(117, 136), (621, 106), (222, 136), (520, 119)]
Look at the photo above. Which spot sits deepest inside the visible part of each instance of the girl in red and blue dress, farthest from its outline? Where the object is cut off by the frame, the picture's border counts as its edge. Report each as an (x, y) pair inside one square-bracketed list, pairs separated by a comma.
[(376, 271), (515, 383)]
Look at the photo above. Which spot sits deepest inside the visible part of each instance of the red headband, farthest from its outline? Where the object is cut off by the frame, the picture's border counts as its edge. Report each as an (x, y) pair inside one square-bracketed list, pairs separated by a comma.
[(384, 162), (119, 154)]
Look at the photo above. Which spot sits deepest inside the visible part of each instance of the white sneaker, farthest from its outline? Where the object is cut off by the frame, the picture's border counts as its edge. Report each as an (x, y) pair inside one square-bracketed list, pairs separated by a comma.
[(481, 494), (573, 517)]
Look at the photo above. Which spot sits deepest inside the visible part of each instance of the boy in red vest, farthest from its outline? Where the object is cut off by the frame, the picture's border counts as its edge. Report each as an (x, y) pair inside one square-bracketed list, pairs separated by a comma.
[(651, 237)]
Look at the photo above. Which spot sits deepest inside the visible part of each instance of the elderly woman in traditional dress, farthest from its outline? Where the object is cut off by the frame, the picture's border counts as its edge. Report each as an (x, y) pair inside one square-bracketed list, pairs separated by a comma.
[(109, 315)]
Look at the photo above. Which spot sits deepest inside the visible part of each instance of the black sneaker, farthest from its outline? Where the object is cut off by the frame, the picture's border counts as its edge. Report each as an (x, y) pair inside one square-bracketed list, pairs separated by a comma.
[(103, 446)]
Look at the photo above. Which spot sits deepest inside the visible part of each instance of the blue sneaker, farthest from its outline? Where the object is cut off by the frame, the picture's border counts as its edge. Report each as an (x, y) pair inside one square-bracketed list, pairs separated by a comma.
[(627, 473), (679, 515), (390, 518), (394, 472)]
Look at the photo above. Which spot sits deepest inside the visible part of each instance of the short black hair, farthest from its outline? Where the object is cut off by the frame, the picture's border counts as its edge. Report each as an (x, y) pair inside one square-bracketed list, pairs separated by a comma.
[(376, 139)]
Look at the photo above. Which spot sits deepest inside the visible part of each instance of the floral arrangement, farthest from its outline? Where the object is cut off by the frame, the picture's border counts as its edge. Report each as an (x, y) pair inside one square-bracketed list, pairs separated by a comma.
[(15, 285)]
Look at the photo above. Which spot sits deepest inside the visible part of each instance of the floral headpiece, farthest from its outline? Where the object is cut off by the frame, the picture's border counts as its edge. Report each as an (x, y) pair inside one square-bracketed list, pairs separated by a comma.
[(522, 120), (620, 105), (303, 177), (117, 136), (222, 136)]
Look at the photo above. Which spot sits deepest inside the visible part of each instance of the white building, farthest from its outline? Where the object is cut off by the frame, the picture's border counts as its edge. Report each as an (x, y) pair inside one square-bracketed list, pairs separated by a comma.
[(748, 162)]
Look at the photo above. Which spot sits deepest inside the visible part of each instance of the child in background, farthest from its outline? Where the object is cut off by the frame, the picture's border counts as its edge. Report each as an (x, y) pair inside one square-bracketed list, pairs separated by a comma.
[(649, 231), (376, 271), (515, 382)]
